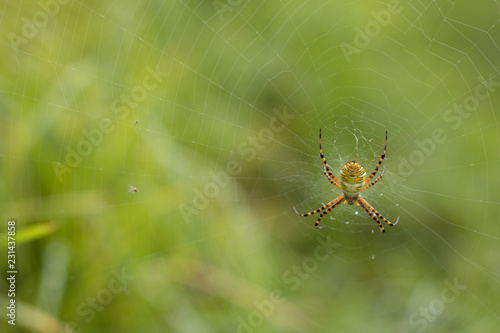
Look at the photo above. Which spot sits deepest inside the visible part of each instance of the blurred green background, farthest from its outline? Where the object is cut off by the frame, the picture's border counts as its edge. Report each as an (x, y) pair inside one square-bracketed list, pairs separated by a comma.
[(211, 111)]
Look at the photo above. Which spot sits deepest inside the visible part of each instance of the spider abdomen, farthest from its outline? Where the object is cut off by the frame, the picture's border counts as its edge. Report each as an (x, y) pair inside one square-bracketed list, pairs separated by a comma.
[(352, 180)]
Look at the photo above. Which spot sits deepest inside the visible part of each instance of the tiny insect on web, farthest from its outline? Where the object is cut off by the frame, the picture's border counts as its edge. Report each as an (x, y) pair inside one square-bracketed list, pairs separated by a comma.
[(352, 182)]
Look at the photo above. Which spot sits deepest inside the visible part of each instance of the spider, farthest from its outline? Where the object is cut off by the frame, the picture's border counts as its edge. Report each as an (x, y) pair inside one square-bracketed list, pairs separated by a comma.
[(352, 182)]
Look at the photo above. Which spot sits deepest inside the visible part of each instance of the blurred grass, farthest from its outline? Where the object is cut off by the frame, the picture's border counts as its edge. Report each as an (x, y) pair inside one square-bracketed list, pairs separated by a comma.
[(225, 79)]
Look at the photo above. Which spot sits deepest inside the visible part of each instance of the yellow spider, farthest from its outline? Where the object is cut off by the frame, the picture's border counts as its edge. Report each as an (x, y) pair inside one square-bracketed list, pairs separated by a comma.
[(352, 182)]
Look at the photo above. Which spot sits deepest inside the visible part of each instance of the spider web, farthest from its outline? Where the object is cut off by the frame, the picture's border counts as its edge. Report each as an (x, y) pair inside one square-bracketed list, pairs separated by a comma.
[(214, 112)]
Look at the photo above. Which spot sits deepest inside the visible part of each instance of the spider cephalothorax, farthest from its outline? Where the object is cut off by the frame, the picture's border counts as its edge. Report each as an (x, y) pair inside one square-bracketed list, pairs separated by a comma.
[(352, 182)]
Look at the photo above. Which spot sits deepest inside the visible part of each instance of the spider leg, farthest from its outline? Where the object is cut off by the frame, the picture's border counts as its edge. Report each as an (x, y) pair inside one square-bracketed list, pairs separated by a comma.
[(370, 207), (326, 170), (379, 161), (331, 180), (371, 214), (340, 200), (376, 180), (319, 209)]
